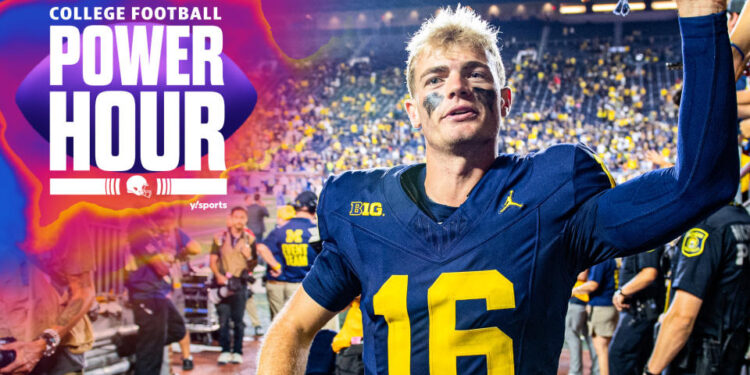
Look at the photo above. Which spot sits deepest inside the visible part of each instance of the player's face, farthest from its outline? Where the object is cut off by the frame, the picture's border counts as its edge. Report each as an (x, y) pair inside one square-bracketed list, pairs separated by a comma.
[(238, 219), (457, 101)]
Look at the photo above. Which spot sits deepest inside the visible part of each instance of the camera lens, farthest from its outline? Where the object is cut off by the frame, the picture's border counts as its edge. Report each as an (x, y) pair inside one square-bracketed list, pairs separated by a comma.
[(7, 356)]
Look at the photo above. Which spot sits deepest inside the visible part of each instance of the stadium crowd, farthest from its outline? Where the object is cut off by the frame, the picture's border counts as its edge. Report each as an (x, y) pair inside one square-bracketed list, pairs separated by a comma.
[(349, 114)]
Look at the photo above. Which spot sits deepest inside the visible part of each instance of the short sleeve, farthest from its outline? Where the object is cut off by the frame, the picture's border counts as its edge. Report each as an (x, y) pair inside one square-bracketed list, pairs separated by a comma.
[(650, 259), (697, 261), (597, 273), (271, 240), (331, 282), (215, 248)]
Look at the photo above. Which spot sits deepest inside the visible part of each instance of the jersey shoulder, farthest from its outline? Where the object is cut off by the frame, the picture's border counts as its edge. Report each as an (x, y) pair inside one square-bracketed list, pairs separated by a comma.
[(349, 191), (576, 164), (340, 189)]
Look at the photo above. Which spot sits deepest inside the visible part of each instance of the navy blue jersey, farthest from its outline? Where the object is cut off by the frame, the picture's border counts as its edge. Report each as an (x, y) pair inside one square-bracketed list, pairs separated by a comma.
[(497, 273), (605, 274), (289, 244), (486, 290)]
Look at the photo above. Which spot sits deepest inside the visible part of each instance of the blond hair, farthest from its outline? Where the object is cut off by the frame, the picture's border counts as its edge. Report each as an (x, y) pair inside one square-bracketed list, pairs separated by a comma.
[(454, 27)]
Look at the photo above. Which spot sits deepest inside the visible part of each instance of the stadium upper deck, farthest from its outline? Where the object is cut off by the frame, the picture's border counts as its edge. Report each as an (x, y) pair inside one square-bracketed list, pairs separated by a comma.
[(343, 109)]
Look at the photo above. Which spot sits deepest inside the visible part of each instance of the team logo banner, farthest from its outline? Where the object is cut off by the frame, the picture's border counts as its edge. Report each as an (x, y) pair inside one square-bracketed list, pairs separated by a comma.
[(128, 105)]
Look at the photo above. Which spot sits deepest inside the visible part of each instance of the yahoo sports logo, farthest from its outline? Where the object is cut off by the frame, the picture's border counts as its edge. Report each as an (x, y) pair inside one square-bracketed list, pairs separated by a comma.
[(136, 98)]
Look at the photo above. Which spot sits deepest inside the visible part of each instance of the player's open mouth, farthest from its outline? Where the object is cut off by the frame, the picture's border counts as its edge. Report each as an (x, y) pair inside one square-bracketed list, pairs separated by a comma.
[(462, 113)]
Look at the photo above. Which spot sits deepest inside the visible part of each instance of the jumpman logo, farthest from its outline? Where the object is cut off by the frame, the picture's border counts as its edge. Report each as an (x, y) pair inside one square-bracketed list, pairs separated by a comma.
[(509, 202)]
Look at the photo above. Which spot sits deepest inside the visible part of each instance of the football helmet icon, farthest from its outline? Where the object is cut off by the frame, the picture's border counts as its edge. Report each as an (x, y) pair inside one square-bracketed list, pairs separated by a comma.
[(139, 186)]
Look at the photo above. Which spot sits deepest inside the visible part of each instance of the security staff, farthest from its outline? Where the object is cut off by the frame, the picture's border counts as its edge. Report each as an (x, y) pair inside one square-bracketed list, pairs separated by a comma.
[(289, 253), (704, 331), (639, 300)]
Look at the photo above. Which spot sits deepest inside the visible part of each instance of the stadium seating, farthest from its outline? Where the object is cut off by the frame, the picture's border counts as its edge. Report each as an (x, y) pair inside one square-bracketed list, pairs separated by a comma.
[(347, 113)]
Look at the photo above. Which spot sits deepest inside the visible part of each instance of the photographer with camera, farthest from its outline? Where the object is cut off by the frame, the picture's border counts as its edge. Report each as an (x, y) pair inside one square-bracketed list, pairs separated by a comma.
[(232, 256), (44, 300)]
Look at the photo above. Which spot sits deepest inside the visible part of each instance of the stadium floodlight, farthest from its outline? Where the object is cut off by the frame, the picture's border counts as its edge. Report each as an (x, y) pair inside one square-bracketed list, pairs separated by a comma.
[(663, 5), (572, 9), (494, 10), (601, 8), (624, 7)]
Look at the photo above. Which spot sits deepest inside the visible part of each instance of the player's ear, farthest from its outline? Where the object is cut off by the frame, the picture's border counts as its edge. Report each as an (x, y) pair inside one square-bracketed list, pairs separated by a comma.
[(506, 99), (413, 112)]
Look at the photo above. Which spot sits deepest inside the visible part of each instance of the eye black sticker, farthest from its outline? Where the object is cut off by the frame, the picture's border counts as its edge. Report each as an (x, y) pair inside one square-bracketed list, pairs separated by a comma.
[(487, 97), (432, 101)]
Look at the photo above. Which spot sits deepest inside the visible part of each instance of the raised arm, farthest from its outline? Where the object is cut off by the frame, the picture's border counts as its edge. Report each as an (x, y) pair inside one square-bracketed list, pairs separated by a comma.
[(656, 207), (288, 340)]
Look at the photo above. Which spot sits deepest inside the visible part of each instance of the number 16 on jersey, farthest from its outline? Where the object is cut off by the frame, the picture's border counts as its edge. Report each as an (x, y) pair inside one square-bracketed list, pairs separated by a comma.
[(446, 342)]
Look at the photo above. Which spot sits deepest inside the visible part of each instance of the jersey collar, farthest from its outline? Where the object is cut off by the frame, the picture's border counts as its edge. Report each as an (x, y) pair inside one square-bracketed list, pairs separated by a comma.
[(466, 215)]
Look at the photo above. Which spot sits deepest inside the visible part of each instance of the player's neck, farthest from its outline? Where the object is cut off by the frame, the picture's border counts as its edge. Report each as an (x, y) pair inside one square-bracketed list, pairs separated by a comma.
[(449, 178)]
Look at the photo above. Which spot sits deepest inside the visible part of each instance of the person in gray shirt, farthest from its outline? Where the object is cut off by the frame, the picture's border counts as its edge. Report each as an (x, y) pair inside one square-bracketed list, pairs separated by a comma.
[(256, 212)]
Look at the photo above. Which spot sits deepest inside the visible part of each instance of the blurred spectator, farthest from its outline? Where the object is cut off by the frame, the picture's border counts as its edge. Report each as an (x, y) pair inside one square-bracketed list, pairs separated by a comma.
[(577, 332), (256, 213), (600, 287), (159, 322), (180, 246)]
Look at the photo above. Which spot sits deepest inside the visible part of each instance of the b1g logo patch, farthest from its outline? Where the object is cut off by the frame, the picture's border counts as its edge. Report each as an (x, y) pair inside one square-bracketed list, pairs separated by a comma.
[(694, 242), (366, 209)]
